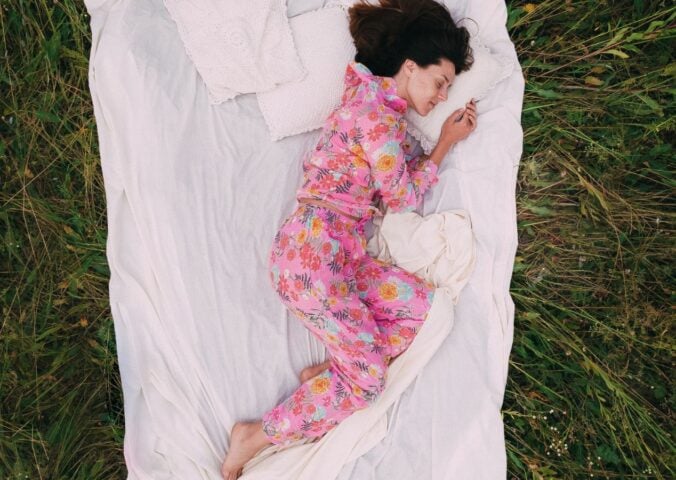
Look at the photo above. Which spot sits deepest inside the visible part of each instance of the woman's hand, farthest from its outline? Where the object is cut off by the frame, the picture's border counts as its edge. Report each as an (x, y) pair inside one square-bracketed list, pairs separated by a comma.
[(459, 124)]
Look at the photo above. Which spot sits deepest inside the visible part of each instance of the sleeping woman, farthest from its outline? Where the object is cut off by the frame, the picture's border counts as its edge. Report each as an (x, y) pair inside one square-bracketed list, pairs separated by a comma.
[(365, 311)]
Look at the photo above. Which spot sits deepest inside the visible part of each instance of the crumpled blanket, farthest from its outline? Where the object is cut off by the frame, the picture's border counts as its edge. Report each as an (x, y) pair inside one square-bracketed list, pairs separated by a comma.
[(439, 247)]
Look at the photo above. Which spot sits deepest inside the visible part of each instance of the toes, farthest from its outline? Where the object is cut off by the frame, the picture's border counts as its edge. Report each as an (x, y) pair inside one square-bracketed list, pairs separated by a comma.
[(230, 476), (227, 473)]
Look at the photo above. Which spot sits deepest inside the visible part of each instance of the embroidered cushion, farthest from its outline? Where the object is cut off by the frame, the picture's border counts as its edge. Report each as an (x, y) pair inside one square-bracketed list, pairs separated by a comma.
[(237, 47)]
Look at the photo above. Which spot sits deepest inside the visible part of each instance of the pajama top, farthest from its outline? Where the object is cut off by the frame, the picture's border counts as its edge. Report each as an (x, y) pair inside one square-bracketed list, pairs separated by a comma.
[(362, 155)]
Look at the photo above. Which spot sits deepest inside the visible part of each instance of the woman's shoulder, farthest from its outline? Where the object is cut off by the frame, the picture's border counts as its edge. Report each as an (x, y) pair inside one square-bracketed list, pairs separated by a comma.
[(377, 112), (366, 117)]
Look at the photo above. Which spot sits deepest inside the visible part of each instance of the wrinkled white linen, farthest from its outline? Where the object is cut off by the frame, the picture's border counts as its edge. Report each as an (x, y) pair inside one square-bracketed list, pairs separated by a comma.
[(194, 195), (439, 248)]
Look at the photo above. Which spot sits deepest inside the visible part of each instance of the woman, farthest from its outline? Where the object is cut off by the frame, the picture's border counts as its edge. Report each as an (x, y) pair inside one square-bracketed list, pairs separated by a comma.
[(364, 311)]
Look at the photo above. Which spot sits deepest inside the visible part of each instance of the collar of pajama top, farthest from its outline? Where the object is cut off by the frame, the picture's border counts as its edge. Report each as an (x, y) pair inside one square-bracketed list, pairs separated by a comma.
[(362, 153)]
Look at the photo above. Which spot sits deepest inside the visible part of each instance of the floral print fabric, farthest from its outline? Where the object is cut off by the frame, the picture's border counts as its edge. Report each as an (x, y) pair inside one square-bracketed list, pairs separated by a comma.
[(362, 152), (365, 311)]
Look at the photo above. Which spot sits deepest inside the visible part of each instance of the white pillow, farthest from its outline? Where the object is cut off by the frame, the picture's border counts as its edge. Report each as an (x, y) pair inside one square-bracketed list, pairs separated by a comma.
[(323, 41), (237, 47), (488, 69)]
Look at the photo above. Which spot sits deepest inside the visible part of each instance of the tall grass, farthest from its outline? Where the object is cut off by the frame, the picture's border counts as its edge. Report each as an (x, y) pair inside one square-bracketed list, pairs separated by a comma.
[(589, 392)]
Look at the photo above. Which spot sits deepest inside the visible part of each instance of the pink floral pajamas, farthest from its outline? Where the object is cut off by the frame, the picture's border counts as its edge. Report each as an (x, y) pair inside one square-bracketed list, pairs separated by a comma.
[(365, 311)]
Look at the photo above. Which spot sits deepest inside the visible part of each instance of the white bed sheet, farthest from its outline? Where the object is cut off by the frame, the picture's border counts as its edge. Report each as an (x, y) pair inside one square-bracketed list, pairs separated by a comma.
[(195, 194)]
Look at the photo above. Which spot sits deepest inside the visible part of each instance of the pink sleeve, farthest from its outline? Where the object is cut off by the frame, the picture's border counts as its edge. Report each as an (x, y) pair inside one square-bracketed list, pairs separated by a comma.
[(401, 184)]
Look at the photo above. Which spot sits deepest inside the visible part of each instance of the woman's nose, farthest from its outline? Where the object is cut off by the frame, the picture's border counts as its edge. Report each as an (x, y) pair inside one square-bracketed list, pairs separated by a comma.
[(443, 95)]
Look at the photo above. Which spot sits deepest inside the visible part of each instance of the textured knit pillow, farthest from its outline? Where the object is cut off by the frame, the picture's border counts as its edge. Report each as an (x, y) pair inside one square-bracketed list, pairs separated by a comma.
[(325, 46), (486, 72), (237, 46)]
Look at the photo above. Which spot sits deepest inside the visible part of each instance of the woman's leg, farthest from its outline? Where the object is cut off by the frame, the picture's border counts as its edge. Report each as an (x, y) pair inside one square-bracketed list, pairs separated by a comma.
[(308, 270), (398, 299)]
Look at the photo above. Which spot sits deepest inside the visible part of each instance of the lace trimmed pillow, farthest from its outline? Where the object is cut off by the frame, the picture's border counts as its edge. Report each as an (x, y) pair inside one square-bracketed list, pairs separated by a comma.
[(237, 47), (487, 71)]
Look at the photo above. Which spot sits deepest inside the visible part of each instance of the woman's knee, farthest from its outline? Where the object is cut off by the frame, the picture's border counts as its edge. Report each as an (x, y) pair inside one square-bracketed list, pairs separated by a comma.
[(371, 380), (373, 393)]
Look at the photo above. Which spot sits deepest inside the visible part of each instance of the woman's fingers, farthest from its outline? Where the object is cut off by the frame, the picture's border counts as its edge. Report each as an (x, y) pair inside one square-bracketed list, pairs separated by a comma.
[(471, 113), (456, 115), (471, 121)]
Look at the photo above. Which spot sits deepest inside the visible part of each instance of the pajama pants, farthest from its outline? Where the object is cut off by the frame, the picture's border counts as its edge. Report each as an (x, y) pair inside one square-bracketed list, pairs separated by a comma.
[(365, 311)]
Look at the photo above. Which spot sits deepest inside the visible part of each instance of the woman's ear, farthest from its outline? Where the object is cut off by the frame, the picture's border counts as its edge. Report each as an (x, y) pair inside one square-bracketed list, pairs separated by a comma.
[(409, 67)]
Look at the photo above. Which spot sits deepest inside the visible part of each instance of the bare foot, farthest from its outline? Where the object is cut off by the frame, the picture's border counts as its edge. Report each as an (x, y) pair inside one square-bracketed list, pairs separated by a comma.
[(309, 372), (246, 440)]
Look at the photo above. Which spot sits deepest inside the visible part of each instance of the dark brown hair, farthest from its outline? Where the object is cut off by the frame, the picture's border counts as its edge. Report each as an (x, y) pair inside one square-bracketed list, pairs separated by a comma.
[(388, 33)]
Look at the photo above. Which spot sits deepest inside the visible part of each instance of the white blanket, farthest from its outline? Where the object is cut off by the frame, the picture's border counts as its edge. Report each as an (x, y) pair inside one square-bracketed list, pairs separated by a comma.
[(195, 194)]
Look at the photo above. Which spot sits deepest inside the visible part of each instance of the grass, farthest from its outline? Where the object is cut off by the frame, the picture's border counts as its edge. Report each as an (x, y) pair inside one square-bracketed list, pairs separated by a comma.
[(589, 392)]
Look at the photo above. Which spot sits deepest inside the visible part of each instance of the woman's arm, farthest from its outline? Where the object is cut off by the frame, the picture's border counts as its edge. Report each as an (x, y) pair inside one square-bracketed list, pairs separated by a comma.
[(439, 151), (401, 185)]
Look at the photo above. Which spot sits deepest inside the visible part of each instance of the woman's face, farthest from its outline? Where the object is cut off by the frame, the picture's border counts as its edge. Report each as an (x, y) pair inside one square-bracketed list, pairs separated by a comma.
[(424, 87)]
